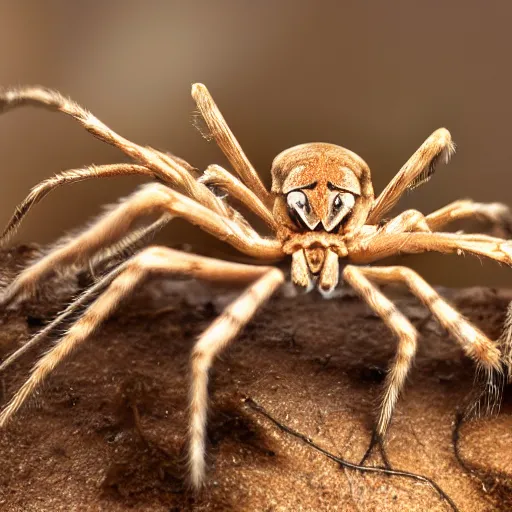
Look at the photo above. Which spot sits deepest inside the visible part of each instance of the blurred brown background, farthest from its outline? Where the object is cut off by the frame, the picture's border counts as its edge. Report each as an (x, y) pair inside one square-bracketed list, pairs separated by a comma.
[(376, 77)]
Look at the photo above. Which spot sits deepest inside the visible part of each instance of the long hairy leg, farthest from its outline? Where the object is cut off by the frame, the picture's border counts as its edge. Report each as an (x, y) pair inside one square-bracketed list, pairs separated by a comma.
[(110, 257), (216, 176), (166, 167), (42, 189), (216, 338), (407, 221), (153, 198), (416, 171), (128, 245), (154, 259), (498, 215), (474, 342), (228, 144), (72, 308), (382, 245), (404, 331)]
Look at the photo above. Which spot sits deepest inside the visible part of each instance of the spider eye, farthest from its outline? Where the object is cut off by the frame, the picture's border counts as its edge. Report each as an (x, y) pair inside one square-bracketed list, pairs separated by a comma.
[(340, 204), (345, 200), (300, 210), (297, 200)]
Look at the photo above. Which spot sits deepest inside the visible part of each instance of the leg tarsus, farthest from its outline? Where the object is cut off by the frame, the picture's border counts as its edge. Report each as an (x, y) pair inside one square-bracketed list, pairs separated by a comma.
[(376, 440)]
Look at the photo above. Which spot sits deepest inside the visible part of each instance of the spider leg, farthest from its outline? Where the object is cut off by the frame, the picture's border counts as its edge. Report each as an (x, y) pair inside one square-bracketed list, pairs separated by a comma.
[(208, 346), (43, 188), (126, 278), (83, 299), (416, 171), (228, 144), (375, 441), (498, 215), (216, 176), (408, 221), (128, 245), (125, 248), (381, 245), (166, 167), (153, 198), (475, 344), (403, 330)]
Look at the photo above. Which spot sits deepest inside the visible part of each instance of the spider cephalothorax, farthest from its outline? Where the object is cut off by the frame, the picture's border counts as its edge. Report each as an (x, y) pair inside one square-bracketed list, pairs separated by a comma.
[(321, 208), (325, 192)]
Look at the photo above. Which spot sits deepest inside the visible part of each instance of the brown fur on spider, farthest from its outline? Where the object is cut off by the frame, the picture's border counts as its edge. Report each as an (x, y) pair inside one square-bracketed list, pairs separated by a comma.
[(322, 211)]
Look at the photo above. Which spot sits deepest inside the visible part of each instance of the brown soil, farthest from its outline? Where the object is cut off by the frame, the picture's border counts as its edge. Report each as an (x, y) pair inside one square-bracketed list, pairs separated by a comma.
[(108, 429)]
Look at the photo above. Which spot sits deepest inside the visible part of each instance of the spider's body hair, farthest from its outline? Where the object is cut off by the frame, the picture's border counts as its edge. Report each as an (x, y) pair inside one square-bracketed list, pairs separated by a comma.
[(322, 212), (448, 149), (505, 344), (71, 176)]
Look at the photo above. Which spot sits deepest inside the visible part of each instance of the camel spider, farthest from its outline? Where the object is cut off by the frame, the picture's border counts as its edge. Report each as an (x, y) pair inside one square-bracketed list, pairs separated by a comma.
[(323, 214)]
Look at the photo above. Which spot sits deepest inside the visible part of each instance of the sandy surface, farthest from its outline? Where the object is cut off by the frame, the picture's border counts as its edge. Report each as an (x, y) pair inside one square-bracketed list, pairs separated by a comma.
[(107, 431)]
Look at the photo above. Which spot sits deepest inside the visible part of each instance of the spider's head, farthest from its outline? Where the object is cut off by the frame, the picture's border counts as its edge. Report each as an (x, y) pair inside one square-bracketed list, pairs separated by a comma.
[(321, 187)]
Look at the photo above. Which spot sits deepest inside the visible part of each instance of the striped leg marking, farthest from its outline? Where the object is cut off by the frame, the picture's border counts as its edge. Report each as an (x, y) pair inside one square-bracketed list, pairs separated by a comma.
[(403, 330), (209, 345), (154, 259)]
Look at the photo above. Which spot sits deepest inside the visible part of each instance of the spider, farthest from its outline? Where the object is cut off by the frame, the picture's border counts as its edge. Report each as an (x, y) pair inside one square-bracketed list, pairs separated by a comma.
[(323, 215)]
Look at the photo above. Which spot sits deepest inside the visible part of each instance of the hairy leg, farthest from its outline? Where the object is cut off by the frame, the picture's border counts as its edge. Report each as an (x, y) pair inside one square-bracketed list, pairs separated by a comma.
[(228, 144), (169, 169), (406, 222), (214, 175), (72, 308), (403, 330), (153, 198), (416, 171), (109, 258), (474, 342), (498, 215), (218, 177), (42, 189), (209, 345), (381, 245), (127, 246), (126, 278)]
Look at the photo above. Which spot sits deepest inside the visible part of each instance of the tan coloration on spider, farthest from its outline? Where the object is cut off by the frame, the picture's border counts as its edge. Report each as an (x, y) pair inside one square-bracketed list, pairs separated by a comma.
[(416, 171), (322, 211), (212, 342), (315, 257), (329, 275), (296, 241), (403, 329), (228, 143), (216, 176), (319, 170), (42, 189)]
